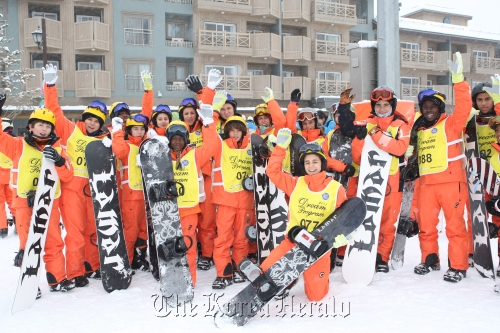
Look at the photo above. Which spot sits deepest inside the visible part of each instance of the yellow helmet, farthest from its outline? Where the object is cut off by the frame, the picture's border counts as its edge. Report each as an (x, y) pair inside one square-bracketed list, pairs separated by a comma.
[(117, 107), (89, 112), (137, 119), (43, 114), (261, 110), (234, 119)]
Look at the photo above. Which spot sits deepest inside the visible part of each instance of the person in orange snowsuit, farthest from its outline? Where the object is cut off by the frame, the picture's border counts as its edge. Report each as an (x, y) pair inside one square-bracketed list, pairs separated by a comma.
[(442, 183), (26, 154), (5, 190), (316, 187), (82, 256), (268, 117)]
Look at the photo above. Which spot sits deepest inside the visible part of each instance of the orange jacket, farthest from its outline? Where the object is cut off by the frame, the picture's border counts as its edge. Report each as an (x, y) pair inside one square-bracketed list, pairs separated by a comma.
[(454, 127), (291, 116), (12, 147), (206, 95), (147, 110), (278, 119), (396, 147), (287, 182), (202, 156)]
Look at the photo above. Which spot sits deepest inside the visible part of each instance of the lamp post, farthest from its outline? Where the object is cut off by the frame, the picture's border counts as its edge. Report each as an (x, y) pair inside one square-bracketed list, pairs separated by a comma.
[(40, 37)]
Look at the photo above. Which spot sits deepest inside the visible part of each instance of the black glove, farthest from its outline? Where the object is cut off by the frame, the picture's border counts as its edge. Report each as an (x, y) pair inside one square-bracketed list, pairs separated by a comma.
[(295, 96), (52, 154), (491, 205), (3, 98), (493, 230), (408, 227), (349, 171), (194, 83), (361, 133)]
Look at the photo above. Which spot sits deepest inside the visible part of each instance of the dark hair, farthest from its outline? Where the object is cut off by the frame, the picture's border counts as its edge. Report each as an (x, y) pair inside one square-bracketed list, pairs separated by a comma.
[(321, 114)]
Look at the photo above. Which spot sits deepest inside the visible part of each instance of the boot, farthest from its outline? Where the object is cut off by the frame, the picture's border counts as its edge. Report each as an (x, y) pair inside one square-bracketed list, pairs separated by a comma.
[(380, 265), (81, 281), (18, 259), (4, 232), (89, 273), (454, 275), (431, 262), (237, 276), (471, 260), (139, 262), (64, 285), (204, 263), (222, 282)]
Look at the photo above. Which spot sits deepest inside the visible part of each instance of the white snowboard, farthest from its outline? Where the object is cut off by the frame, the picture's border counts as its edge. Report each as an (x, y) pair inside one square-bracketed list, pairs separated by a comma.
[(361, 253)]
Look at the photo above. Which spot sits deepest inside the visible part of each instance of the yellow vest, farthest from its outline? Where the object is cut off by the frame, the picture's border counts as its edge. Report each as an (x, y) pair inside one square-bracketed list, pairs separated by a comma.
[(5, 162), (485, 137), (220, 128), (495, 161), (192, 194), (195, 138), (395, 160), (28, 171), (433, 150), (309, 209), (235, 166), (134, 179), (77, 143)]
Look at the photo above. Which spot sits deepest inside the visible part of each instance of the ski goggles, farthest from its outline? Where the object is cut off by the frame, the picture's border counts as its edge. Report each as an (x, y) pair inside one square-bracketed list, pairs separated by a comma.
[(313, 147), (230, 99), (493, 122), (261, 110), (177, 129), (306, 115), (162, 108), (120, 107), (430, 93), (137, 120), (189, 102), (381, 94), (99, 105)]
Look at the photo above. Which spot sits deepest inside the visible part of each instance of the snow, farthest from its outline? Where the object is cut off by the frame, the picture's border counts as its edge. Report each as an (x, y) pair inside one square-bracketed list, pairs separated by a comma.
[(433, 8), (367, 44), (393, 302)]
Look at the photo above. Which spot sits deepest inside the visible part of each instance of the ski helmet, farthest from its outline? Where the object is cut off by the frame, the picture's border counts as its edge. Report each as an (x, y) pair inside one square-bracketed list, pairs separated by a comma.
[(432, 95), (479, 88), (177, 127), (312, 148), (384, 93)]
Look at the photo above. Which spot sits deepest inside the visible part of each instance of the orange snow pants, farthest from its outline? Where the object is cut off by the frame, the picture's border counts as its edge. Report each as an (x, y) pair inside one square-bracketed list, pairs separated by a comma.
[(231, 224), (316, 277), (134, 224), (451, 197), (5, 197), (188, 225), (206, 226)]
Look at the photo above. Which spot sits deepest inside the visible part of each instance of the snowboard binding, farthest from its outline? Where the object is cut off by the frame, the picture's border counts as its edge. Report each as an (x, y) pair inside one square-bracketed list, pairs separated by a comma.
[(308, 243), (165, 190), (251, 233), (408, 227), (265, 287), (175, 247)]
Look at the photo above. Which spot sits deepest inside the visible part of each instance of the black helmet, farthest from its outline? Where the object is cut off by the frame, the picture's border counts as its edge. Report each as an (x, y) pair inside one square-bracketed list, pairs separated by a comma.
[(478, 88), (432, 95)]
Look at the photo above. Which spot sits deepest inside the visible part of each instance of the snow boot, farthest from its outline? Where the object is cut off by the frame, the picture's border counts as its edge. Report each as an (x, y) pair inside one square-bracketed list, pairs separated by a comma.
[(204, 263), (91, 274), (471, 260), (64, 285), (454, 275), (237, 276), (81, 281), (285, 292), (253, 257), (139, 262), (38, 293), (4, 232), (380, 265), (18, 259), (339, 261), (222, 282), (431, 261)]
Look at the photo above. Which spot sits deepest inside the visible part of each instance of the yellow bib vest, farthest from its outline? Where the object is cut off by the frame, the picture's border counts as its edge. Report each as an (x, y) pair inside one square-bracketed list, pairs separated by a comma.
[(134, 180), (485, 137), (191, 195), (433, 150), (5, 162), (220, 128), (77, 143), (395, 160), (236, 166), (28, 171), (309, 209), (195, 138)]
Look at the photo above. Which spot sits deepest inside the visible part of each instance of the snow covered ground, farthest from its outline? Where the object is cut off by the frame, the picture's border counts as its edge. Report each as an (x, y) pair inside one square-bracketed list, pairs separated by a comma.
[(399, 301)]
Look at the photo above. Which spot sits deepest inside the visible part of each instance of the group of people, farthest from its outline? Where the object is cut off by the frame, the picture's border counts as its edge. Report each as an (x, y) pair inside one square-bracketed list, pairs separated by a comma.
[(211, 154)]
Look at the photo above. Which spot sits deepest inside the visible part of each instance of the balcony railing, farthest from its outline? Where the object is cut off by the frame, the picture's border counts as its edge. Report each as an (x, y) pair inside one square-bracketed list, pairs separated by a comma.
[(224, 39), (231, 82), (53, 32), (330, 87), (297, 9), (260, 82), (35, 82), (331, 51), (425, 59), (174, 43), (177, 87), (266, 45), (361, 21), (297, 47), (410, 91), (486, 65), (93, 83), (187, 2), (237, 6), (266, 7), (91, 35), (332, 12), (141, 37), (303, 83)]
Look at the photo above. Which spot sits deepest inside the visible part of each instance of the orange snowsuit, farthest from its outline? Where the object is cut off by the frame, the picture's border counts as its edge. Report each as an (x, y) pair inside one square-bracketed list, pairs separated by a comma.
[(447, 189), (13, 148), (316, 277), (77, 209), (396, 146), (278, 120), (5, 190)]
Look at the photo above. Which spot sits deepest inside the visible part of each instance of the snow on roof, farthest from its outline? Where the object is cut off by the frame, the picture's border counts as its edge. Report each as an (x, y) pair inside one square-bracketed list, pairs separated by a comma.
[(432, 8), (446, 29)]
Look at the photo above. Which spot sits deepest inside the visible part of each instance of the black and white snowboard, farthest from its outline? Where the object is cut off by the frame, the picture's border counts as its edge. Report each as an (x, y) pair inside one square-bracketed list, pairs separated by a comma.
[(153, 255), (27, 286), (340, 149), (176, 283), (297, 142), (113, 256), (271, 209), (398, 249), (312, 246)]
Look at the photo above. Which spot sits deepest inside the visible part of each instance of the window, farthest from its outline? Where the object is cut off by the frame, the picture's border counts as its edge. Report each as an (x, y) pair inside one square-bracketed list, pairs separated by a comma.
[(253, 72), (82, 65), (220, 27), (411, 46), (288, 74), (177, 30), (83, 18), (429, 49), (327, 37), (138, 31), (39, 63), (330, 76), (52, 16), (429, 83), (176, 73), (225, 70), (133, 71), (415, 81), (478, 53)]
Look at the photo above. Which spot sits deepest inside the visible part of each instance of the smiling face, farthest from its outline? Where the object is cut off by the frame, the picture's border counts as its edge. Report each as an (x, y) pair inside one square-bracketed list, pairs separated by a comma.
[(430, 111), (189, 114), (137, 131), (41, 129), (312, 164), (308, 124), (92, 124), (263, 120), (162, 120), (226, 111), (124, 115), (177, 143), (383, 107)]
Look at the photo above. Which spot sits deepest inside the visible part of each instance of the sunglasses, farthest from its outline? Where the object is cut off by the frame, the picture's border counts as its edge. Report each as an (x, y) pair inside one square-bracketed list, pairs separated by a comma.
[(307, 115), (429, 93), (121, 107), (99, 105), (381, 94), (189, 102), (163, 108), (140, 118)]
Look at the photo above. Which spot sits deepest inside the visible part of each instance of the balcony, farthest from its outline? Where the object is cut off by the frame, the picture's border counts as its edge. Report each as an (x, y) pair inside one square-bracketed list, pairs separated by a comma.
[(91, 35), (266, 7), (138, 37), (297, 48), (266, 45), (297, 10), (260, 82), (486, 65), (36, 81), (93, 83), (187, 2), (331, 51), (234, 6), (410, 92), (428, 60), (178, 42), (92, 1), (303, 83), (53, 32), (331, 12), (236, 86), (220, 42), (177, 86), (330, 87)]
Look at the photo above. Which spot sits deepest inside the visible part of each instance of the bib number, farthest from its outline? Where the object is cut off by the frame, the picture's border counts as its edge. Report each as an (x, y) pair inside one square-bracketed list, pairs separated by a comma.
[(81, 160), (306, 223), (427, 158)]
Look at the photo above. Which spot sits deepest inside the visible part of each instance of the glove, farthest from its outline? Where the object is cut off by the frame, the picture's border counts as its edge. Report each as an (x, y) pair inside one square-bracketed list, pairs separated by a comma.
[(214, 78), (219, 100), (206, 113), (349, 171), (151, 133), (340, 240), (375, 130), (492, 206), (50, 74), (284, 138), (194, 83), (271, 142), (295, 96), (493, 230), (31, 198), (269, 95), (494, 91), (346, 97), (52, 155), (117, 124), (409, 151), (146, 80), (362, 133), (106, 142), (456, 68), (138, 160)]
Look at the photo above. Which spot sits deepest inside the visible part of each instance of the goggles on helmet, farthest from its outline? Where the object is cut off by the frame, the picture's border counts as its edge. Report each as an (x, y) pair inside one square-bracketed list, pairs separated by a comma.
[(430, 93), (306, 115), (163, 108), (138, 118), (121, 107), (189, 102), (177, 129), (311, 148), (381, 94), (99, 105)]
